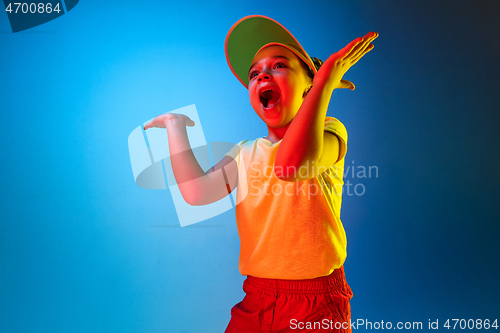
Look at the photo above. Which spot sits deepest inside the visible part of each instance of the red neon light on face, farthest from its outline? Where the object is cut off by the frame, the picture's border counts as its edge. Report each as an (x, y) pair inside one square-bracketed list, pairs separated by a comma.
[(277, 81)]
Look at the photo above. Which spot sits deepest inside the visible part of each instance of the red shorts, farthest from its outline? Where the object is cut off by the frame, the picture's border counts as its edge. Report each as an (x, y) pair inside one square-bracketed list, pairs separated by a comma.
[(315, 305)]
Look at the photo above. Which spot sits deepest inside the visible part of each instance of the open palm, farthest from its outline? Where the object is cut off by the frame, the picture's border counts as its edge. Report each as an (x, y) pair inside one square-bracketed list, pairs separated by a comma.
[(334, 68)]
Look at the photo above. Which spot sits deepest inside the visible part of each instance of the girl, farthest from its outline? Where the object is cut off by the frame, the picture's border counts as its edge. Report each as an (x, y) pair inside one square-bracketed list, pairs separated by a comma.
[(293, 244)]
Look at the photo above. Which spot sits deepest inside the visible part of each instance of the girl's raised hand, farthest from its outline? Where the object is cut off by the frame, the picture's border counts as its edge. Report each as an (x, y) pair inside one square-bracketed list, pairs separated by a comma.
[(334, 68), (161, 120)]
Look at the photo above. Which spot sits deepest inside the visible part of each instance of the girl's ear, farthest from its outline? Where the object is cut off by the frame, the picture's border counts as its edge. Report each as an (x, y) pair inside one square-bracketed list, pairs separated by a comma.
[(306, 91)]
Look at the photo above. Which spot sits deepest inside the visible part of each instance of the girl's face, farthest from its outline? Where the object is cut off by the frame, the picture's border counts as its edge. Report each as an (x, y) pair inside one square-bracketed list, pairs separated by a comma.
[(277, 82)]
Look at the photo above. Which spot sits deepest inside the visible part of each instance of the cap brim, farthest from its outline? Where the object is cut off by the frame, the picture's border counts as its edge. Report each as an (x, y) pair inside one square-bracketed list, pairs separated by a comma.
[(252, 33)]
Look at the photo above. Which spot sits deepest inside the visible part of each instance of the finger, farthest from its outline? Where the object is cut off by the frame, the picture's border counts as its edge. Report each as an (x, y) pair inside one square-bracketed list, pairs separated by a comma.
[(354, 49), (359, 53), (148, 125), (368, 49), (361, 47), (361, 44), (188, 121), (344, 84), (349, 47), (371, 34)]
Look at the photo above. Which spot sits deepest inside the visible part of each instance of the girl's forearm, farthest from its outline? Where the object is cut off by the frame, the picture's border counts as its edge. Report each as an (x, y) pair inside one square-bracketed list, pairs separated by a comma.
[(303, 141), (188, 173), (302, 144)]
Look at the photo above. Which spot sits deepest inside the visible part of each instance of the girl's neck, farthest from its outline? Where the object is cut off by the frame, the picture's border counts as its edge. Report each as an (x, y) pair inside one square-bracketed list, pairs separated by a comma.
[(276, 134)]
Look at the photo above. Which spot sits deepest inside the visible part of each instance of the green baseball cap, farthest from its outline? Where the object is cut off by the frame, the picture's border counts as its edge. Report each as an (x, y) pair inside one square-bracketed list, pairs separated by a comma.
[(253, 33)]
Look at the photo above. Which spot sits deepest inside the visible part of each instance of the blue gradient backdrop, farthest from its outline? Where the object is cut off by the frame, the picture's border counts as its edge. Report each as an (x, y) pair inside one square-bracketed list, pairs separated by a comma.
[(83, 249)]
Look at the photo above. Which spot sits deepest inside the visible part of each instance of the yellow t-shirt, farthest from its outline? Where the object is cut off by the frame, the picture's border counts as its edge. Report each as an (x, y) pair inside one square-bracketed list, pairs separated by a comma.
[(288, 230)]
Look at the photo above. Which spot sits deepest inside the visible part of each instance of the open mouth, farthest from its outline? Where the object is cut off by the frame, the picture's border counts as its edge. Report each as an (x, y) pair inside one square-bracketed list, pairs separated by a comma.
[(269, 98)]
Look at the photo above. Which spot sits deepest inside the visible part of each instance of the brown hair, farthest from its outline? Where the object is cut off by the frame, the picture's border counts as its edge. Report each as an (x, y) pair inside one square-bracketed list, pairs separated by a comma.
[(317, 64)]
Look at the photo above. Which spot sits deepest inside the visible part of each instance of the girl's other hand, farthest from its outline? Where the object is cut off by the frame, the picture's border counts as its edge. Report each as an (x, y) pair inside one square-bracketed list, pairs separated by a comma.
[(162, 120), (334, 68)]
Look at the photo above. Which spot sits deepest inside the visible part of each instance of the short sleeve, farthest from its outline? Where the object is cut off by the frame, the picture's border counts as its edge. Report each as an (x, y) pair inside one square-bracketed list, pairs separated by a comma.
[(234, 152), (334, 126)]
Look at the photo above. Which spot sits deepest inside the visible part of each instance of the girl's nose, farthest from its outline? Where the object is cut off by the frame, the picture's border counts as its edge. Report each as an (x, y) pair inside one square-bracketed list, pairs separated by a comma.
[(264, 76)]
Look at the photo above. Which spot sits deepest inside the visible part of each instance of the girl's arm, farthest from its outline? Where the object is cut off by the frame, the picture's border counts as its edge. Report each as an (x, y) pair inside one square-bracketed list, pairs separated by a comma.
[(306, 145), (196, 186)]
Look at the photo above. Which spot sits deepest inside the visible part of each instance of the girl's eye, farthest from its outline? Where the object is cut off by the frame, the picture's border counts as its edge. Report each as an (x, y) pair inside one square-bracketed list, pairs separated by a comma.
[(279, 65), (252, 75)]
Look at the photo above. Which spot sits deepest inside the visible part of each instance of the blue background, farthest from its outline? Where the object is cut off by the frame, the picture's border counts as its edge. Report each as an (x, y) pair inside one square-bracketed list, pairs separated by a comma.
[(83, 249)]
